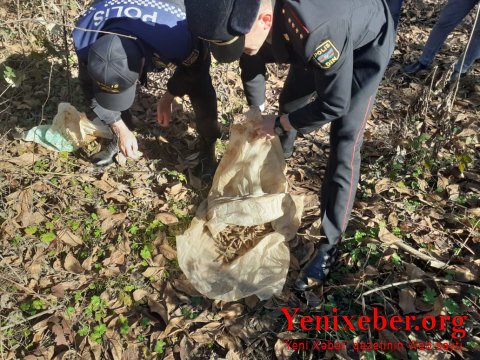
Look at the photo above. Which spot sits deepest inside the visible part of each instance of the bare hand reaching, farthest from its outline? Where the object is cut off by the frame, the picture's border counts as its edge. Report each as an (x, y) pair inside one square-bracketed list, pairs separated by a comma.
[(164, 109), (127, 142)]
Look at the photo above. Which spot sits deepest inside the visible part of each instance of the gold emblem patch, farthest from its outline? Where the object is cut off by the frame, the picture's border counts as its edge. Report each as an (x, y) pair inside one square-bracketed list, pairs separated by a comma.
[(114, 88), (325, 55)]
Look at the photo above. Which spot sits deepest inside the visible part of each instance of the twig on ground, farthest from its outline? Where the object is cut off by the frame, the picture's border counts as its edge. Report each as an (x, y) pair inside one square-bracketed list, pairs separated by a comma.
[(437, 264), (369, 331), (5, 90), (48, 311), (48, 93), (20, 286), (413, 281), (67, 55), (11, 269), (463, 245)]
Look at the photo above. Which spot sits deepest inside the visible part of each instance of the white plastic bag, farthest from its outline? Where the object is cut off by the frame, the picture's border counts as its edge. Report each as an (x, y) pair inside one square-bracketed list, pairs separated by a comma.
[(69, 131)]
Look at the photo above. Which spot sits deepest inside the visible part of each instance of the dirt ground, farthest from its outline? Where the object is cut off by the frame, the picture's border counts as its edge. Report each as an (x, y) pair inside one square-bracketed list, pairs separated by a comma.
[(88, 266)]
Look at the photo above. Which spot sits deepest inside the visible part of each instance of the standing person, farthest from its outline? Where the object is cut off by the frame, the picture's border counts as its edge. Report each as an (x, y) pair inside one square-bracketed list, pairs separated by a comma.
[(117, 43), (338, 53), (450, 16), (468, 57)]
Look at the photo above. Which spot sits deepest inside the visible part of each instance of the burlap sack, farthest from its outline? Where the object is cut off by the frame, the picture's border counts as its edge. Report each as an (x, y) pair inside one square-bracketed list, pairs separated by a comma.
[(249, 189)]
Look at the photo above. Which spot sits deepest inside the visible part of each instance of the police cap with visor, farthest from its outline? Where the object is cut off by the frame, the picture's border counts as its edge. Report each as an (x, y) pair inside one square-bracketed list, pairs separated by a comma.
[(115, 65)]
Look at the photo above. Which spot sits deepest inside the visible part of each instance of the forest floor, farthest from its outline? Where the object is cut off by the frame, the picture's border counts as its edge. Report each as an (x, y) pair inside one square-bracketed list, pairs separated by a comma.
[(88, 266)]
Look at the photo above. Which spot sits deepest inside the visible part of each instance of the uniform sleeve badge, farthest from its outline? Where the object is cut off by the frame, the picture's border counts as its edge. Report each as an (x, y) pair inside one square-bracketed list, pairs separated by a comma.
[(325, 55)]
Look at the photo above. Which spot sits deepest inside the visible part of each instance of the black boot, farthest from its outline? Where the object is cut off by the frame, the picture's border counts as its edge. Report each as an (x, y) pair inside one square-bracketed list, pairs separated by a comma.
[(287, 140), (207, 163), (411, 69), (318, 268), (106, 155)]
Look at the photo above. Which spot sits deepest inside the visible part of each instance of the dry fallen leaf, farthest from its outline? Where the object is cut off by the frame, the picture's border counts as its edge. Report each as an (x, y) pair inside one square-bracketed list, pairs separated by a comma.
[(474, 211), (233, 355), (89, 261), (169, 252), (282, 350), (413, 271), (102, 213), (158, 308), (115, 195), (175, 189), (407, 301), (69, 238), (382, 185), (166, 218), (174, 326), (121, 159), (228, 342), (386, 236), (35, 267), (139, 294), (152, 271), (388, 337), (465, 273), (186, 287), (453, 191), (206, 334), (112, 221), (231, 312), (25, 207), (103, 185), (58, 290), (186, 348), (26, 159), (59, 333), (116, 258), (71, 264)]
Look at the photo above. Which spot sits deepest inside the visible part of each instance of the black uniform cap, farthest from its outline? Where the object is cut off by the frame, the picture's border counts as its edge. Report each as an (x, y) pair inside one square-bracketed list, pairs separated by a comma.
[(223, 23), (114, 64)]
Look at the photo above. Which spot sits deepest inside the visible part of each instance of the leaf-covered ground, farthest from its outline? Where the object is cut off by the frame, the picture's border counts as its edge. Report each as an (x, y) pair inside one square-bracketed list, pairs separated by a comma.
[(88, 265)]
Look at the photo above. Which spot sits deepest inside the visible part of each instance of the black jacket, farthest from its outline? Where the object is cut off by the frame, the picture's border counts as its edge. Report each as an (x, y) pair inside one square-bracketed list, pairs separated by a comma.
[(324, 36)]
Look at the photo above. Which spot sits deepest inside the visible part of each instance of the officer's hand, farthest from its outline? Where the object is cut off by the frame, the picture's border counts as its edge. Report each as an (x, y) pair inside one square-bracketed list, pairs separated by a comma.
[(264, 128), (164, 109), (126, 140)]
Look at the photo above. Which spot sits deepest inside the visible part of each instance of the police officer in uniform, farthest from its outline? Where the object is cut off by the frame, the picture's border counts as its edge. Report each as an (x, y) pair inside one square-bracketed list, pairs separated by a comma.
[(338, 53), (117, 43)]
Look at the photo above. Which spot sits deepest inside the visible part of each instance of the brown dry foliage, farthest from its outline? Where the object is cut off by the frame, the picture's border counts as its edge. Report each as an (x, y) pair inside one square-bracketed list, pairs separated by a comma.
[(87, 257)]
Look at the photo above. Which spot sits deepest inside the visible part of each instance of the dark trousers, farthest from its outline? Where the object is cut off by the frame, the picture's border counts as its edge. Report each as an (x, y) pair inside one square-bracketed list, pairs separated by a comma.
[(196, 82), (395, 7), (451, 15), (346, 133)]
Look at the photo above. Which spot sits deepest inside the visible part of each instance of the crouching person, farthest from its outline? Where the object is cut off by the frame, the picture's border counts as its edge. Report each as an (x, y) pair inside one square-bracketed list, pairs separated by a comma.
[(117, 44)]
